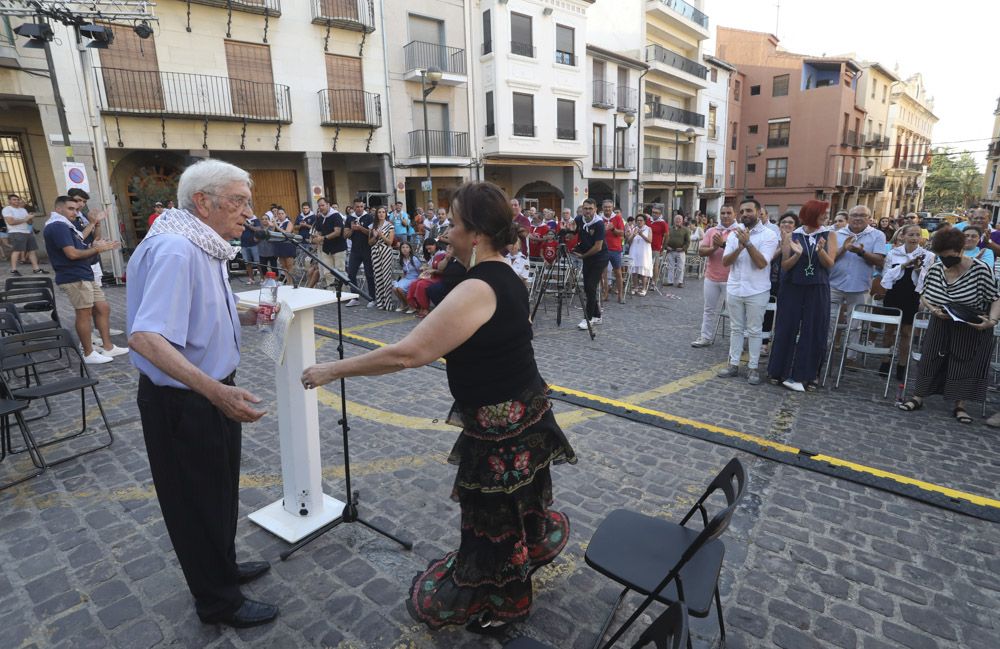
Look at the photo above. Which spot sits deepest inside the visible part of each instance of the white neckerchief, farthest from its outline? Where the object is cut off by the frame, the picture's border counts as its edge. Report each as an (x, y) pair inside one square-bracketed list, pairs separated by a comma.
[(847, 231), (812, 236), (193, 229), (597, 217), (56, 217)]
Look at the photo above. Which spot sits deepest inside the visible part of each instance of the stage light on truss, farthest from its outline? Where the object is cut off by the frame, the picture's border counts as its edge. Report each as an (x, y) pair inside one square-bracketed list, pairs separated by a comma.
[(100, 36)]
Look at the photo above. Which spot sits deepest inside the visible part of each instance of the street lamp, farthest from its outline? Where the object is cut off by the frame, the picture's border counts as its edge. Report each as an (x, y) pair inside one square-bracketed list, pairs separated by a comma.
[(746, 164), (429, 79), (629, 118), (677, 145)]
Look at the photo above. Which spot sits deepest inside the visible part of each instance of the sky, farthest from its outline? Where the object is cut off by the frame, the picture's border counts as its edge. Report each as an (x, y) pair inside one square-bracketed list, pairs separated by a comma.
[(953, 44)]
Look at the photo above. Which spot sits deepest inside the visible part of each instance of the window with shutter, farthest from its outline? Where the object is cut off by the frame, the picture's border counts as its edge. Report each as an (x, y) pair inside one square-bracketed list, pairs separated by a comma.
[(251, 82), (565, 49), (345, 81), (131, 73), (339, 9)]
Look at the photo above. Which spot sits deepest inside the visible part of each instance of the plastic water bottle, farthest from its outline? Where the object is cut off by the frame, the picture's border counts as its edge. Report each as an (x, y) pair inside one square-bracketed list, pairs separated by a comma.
[(267, 302)]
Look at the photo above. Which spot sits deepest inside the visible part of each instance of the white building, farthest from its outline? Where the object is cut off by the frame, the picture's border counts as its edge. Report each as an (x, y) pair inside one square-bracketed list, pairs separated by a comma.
[(713, 103), (531, 97), (612, 163)]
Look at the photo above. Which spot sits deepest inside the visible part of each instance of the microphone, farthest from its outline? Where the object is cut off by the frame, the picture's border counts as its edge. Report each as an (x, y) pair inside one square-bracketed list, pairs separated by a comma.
[(269, 235)]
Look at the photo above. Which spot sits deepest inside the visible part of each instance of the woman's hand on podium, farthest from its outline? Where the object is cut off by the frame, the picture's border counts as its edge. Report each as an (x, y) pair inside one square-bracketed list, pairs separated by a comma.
[(317, 375)]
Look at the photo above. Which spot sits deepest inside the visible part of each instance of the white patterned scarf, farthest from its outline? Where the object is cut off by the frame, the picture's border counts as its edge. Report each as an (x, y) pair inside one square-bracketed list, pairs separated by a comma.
[(56, 217), (189, 226)]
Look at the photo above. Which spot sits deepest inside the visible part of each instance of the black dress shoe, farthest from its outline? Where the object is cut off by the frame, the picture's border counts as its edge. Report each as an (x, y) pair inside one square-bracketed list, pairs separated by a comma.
[(251, 570), (251, 613)]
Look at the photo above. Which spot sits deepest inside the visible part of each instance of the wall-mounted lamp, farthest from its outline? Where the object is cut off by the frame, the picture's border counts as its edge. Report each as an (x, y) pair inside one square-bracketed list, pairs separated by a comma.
[(547, 11)]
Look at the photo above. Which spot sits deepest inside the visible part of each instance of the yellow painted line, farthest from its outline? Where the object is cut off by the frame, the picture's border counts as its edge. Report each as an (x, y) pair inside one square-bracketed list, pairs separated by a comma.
[(354, 336), (380, 323), (332, 400), (631, 403), (926, 486)]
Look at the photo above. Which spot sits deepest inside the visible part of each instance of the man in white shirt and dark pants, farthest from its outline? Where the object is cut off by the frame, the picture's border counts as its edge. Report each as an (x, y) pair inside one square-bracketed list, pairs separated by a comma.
[(748, 255)]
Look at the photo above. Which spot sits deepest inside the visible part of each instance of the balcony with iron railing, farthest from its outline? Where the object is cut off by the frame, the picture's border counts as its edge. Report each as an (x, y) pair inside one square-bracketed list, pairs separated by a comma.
[(714, 182), (441, 144), (628, 99), (774, 142), (775, 181), (270, 7), (993, 151), (672, 114), (522, 49), (873, 183), (566, 58), (604, 94), (419, 55), (524, 130), (851, 139), (674, 61), (623, 159), (354, 15), (684, 9), (191, 96), (914, 166), (849, 179), (350, 108), (670, 166), (565, 133)]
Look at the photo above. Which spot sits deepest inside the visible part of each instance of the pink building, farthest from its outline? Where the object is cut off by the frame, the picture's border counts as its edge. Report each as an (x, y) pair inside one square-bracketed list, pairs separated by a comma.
[(800, 131)]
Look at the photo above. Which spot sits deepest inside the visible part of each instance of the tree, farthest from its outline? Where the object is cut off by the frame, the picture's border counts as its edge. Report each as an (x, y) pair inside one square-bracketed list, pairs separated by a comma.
[(953, 181)]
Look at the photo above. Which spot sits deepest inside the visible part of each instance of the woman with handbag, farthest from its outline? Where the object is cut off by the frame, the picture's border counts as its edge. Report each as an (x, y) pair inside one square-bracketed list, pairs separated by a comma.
[(900, 286), (963, 296)]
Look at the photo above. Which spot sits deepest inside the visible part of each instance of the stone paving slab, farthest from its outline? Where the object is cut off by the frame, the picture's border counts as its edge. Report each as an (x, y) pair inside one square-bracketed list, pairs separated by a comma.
[(811, 561)]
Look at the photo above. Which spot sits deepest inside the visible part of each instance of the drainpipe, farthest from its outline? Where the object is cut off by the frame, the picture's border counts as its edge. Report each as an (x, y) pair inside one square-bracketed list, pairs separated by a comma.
[(388, 112)]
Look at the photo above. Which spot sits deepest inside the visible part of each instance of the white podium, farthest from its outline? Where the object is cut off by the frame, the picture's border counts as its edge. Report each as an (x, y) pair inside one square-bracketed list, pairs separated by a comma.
[(304, 507)]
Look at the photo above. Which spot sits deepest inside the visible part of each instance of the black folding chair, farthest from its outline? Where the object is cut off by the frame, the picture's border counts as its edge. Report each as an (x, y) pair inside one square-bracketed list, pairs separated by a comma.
[(35, 299), (39, 347), (667, 562), (668, 631), (14, 407)]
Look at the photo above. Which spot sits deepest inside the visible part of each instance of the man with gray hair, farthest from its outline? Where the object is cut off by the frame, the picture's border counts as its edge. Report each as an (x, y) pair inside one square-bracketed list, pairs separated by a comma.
[(860, 251), (184, 328)]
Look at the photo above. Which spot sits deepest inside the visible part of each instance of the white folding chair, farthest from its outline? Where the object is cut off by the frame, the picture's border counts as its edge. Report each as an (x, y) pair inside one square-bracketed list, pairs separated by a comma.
[(831, 344), (772, 307), (868, 317), (721, 324), (921, 321)]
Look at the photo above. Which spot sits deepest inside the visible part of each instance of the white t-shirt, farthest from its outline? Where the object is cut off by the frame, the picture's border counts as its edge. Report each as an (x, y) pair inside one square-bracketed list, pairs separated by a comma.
[(17, 213)]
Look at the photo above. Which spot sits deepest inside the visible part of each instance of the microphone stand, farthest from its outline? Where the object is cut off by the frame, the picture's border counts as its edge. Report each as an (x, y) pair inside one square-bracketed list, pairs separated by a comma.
[(350, 513)]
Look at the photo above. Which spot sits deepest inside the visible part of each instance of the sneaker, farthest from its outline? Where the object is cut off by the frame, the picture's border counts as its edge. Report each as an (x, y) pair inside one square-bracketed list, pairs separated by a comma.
[(96, 358), (400, 309), (410, 311), (794, 386), (371, 305), (701, 342), (595, 321), (353, 302), (40, 271), (729, 372), (114, 351), (583, 324), (753, 377), (14, 271)]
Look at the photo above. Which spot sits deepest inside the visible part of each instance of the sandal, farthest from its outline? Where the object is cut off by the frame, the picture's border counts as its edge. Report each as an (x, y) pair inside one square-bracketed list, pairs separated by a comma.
[(486, 625), (962, 416), (773, 380), (812, 386), (911, 404)]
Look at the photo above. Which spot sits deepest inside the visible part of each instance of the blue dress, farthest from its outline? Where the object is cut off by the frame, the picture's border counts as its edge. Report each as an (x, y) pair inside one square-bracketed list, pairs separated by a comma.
[(411, 271), (801, 322)]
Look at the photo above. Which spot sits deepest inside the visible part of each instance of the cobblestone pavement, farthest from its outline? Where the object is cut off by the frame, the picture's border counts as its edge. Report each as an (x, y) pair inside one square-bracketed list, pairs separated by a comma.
[(812, 561)]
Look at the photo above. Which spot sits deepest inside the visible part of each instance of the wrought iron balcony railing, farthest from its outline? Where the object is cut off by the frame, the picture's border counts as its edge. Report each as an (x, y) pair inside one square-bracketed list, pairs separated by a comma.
[(662, 111), (444, 144), (777, 141), (675, 60), (713, 182), (271, 7), (775, 181), (628, 99), (666, 166), (420, 56), (524, 130), (607, 157), (874, 183), (196, 96), (604, 94), (915, 166), (522, 49), (848, 179), (566, 58), (355, 15), (350, 108), (565, 133), (851, 139)]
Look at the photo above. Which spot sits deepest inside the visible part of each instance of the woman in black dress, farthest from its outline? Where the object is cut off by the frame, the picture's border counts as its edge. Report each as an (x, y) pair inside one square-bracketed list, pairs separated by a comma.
[(905, 268), (509, 435)]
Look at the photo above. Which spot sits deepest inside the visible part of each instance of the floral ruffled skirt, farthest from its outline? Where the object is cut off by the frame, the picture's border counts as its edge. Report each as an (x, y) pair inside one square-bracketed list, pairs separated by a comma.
[(504, 490)]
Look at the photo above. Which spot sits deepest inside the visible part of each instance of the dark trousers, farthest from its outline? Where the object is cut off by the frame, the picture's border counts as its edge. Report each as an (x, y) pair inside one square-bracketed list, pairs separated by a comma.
[(593, 268), (801, 326), (194, 456), (360, 256)]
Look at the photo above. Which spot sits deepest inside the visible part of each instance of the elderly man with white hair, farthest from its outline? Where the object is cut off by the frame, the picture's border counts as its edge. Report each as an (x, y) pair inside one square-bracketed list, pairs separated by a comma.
[(184, 330)]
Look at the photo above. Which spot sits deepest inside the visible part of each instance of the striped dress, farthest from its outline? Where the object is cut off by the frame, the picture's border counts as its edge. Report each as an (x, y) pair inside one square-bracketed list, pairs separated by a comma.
[(955, 357), (383, 269)]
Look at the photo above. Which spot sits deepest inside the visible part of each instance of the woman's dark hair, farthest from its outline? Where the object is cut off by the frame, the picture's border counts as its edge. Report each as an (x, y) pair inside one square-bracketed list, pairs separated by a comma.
[(429, 242), (485, 210), (948, 240), (973, 227), (408, 245), (789, 215), (811, 212)]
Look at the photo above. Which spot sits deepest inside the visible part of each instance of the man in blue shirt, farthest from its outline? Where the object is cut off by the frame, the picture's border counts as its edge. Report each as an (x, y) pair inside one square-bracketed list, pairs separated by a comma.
[(359, 224), (71, 258), (184, 330), (860, 252), (401, 223)]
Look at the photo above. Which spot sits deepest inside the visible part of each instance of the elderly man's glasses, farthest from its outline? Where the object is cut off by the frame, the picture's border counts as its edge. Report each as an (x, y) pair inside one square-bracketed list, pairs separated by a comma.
[(233, 199)]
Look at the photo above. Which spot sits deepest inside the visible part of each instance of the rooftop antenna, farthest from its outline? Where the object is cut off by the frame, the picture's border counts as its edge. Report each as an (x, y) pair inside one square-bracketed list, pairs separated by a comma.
[(777, 16)]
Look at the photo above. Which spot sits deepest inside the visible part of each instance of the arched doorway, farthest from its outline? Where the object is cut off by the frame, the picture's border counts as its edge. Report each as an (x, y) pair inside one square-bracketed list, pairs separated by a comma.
[(140, 180), (600, 191), (547, 195)]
